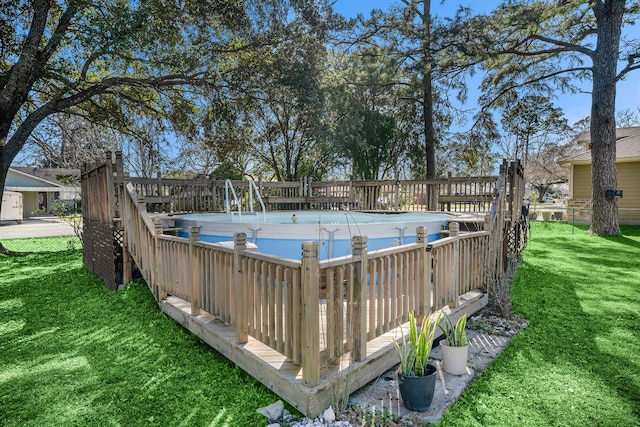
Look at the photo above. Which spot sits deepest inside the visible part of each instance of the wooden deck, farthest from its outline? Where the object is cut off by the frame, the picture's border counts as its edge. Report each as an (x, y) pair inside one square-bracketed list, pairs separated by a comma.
[(312, 331), (283, 377)]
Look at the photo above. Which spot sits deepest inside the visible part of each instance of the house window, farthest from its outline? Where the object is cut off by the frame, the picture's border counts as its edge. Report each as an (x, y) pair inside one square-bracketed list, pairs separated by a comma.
[(56, 195)]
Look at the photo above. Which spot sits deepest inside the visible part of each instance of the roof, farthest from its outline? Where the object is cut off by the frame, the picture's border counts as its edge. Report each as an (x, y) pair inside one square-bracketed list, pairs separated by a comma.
[(51, 176), (627, 146)]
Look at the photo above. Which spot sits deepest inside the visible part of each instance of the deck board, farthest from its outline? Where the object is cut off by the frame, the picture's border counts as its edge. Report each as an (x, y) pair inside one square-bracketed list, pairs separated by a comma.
[(284, 378)]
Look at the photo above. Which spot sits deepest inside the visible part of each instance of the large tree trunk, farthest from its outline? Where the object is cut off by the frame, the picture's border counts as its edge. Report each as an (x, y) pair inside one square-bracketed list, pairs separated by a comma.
[(604, 213), (5, 162), (427, 103)]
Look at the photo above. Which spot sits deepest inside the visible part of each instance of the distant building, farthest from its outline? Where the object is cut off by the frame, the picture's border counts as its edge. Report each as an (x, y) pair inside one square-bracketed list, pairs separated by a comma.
[(628, 176), (42, 187)]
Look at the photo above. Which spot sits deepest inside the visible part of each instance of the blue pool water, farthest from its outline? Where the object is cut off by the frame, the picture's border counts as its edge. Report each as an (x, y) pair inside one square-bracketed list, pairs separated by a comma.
[(282, 233)]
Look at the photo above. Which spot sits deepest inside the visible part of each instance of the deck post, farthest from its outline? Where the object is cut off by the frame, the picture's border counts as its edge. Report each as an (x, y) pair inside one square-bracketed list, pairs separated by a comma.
[(310, 314), (111, 201), (194, 271), (359, 307), (158, 190), (449, 189), (239, 245), (489, 265), (397, 195), (157, 227), (454, 231), (142, 204), (487, 222), (127, 260), (155, 258), (425, 305)]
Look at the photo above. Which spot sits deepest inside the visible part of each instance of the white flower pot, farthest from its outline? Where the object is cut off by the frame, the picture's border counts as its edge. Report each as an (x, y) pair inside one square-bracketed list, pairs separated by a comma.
[(454, 359)]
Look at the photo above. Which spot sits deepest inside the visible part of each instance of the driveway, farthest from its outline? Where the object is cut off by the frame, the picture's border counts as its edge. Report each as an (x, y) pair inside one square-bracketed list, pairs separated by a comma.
[(35, 227)]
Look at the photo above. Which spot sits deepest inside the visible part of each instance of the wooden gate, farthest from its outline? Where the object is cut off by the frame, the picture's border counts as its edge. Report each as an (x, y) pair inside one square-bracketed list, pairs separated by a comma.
[(102, 228)]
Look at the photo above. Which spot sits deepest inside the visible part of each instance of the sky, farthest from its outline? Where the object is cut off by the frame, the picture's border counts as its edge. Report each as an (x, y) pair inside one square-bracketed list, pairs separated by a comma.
[(575, 106)]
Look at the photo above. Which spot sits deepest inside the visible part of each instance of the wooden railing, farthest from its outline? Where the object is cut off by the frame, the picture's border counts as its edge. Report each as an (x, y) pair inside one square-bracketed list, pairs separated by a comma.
[(470, 194), (311, 311), (140, 237)]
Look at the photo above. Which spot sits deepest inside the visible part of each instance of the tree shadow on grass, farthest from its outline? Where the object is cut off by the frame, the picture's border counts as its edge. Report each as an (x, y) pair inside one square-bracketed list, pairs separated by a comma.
[(88, 355), (630, 230), (584, 313)]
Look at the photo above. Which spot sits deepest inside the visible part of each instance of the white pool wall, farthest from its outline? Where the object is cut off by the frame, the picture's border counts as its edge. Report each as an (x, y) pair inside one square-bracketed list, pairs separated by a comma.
[(333, 237)]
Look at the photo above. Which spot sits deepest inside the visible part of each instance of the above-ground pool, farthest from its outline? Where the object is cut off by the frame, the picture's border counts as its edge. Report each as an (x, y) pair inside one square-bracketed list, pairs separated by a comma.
[(282, 233)]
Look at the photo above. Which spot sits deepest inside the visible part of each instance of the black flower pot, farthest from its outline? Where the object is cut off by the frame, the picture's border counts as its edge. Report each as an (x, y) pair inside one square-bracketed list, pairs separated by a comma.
[(417, 392)]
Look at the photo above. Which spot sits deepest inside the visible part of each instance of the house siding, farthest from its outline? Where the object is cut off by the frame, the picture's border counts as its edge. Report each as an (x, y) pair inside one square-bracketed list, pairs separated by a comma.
[(30, 203), (628, 176), (628, 179), (32, 187), (581, 182)]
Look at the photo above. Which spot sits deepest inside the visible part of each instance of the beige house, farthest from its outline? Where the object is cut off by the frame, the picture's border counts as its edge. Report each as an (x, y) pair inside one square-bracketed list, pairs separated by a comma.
[(41, 188), (628, 170)]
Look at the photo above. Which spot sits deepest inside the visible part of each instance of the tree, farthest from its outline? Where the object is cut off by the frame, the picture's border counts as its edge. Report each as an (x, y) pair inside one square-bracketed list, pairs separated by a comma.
[(532, 121), (72, 141), (269, 123), (286, 128), (94, 58), (541, 46), (628, 118), (543, 170), (427, 84), (67, 141), (408, 31), (472, 153), (144, 146), (367, 142), (365, 110), (420, 45)]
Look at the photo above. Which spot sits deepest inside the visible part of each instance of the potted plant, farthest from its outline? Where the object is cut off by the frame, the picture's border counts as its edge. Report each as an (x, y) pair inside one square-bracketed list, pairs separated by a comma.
[(455, 347), (416, 377)]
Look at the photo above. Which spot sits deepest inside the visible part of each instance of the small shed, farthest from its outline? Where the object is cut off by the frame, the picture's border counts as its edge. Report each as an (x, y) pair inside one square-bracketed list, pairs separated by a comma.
[(11, 206), (628, 177)]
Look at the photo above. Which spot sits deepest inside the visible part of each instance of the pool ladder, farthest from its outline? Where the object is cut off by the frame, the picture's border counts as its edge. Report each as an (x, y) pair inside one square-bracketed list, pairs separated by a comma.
[(253, 189)]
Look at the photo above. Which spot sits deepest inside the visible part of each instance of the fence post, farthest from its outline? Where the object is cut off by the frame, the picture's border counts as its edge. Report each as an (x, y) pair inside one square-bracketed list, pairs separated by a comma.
[(157, 227), (426, 286), (359, 310), (239, 245), (487, 222), (194, 271), (397, 194), (127, 260), (111, 202), (489, 254), (157, 231), (449, 189), (155, 264), (454, 231), (310, 314), (142, 204)]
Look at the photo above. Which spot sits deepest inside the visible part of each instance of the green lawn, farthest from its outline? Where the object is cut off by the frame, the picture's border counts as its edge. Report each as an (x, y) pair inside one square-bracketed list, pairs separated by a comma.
[(74, 353), (578, 361)]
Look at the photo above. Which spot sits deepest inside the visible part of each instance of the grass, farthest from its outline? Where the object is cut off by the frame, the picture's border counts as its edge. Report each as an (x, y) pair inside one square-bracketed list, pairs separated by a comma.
[(73, 352), (578, 361)]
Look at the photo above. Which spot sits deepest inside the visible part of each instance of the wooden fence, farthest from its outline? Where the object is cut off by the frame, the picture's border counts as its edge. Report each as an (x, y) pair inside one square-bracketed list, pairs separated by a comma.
[(470, 194), (102, 231)]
